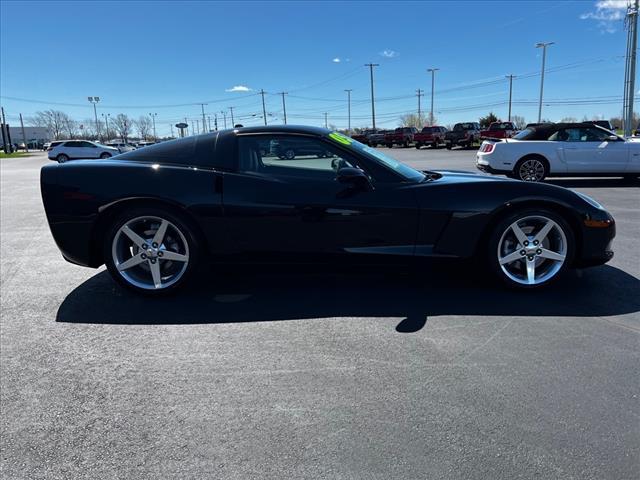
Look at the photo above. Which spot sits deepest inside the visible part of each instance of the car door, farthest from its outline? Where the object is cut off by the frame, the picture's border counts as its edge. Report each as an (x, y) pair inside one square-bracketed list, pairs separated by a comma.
[(73, 149), (90, 150), (589, 150), (291, 205)]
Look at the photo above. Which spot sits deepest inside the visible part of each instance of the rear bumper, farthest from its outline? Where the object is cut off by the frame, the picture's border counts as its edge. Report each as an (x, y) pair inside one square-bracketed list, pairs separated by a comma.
[(490, 169)]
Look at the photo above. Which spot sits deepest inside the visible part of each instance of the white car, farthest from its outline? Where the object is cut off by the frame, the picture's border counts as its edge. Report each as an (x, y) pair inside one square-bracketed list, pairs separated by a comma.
[(561, 149), (75, 149), (121, 146)]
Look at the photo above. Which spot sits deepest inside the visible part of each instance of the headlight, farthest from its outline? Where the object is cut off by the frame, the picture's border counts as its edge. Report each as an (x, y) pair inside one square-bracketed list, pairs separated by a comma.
[(590, 201)]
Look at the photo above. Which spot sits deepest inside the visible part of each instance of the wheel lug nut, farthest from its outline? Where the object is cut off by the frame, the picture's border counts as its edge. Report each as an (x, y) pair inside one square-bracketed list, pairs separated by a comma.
[(538, 251), (154, 245), (530, 257), (535, 242), (160, 253), (143, 256), (153, 260), (526, 244), (523, 252), (145, 246)]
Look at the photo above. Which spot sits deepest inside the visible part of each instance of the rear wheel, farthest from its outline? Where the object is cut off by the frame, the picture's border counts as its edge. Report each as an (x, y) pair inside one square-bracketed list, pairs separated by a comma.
[(418, 145), (105, 155), (531, 169), (150, 251), (449, 146), (530, 248), (289, 154), (434, 144)]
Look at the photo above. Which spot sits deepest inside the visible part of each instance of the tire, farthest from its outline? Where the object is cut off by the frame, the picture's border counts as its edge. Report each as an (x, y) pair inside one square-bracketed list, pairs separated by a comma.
[(434, 145), (62, 158), (289, 154), (523, 263), (531, 169), (179, 240), (449, 146), (389, 145), (105, 155), (418, 145)]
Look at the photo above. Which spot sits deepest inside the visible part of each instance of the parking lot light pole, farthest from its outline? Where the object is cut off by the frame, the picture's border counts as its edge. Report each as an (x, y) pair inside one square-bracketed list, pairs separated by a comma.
[(510, 77), (544, 46), (433, 83), (349, 90), (373, 103), (94, 101)]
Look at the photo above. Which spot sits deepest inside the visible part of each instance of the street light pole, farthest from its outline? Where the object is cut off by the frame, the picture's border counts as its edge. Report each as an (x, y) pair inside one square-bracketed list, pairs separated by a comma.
[(349, 90), (325, 120), (264, 109), (433, 83), (94, 101), (544, 46), (373, 107), (510, 77), (233, 123), (204, 125), (630, 67)]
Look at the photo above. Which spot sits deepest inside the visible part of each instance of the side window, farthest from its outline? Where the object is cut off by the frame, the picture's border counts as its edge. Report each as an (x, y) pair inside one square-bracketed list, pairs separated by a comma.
[(86, 144), (72, 144), (290, 155)]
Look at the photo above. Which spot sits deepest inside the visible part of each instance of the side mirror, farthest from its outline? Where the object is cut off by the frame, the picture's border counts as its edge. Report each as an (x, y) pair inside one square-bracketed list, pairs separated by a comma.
[(613, 138), (354, 177)]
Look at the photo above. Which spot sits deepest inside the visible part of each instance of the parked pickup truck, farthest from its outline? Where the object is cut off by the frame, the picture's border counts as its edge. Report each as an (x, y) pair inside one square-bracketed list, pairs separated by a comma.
[(433, 136), (363, 137), (499, 130), (463, 134), (377, 138), (401, 136)]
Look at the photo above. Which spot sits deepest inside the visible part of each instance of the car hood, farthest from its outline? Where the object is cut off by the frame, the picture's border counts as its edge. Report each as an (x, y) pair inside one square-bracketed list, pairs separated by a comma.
[(460, 176)]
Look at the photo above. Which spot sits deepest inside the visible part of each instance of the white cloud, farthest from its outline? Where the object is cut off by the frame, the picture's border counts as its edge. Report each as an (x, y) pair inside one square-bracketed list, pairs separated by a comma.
[(336, 60), (389, 53), (239, 88), (608, 13)]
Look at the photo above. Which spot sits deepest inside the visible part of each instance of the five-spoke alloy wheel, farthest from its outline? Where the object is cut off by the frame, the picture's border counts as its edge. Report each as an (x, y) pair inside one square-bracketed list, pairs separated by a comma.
[(150, 251), (531, 248)]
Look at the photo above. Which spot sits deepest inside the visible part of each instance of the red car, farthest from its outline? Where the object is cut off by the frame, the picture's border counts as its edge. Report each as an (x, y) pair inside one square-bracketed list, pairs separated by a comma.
[(499, 130), (433, 136), (403, 136)]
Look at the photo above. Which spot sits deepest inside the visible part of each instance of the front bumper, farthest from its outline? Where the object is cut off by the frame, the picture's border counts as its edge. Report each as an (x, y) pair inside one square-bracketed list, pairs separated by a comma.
[(597, 243)]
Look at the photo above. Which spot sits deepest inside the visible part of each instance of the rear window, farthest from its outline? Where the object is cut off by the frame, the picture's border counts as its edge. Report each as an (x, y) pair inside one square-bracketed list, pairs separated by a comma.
[(196, 150)]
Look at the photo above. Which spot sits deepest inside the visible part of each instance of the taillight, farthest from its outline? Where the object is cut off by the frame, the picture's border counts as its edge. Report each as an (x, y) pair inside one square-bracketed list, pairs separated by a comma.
[(487, 148)]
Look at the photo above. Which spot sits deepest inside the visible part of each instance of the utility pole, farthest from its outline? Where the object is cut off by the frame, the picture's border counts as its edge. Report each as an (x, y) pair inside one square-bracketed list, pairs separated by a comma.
[(94, 101), (224, 115), (6, 141), (186, 129), (264, 110), (373, 108), (349, 90), (510, 77), (630, 67), (325, 120), (171, 125), (209, 122), (197, 129), (419, 94), (24, 138), (204, 124), (233, 122), (153, 117), (433, 84), (215, 121), (284, 107), (544, 46)]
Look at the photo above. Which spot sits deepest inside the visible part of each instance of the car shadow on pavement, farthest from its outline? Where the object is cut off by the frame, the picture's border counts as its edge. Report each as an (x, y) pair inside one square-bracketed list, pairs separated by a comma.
[(594, 182), (253, 295)]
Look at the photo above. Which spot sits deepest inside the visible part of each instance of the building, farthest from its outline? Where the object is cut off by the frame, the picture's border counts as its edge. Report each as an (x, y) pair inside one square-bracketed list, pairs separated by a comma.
[(33, 134)]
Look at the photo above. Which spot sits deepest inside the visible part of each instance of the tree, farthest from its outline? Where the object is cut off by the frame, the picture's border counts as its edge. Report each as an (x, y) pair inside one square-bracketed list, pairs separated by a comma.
[(518, 121), (413, 120), (144, 126), (53, 120), (122, 125), (488, 120), (568, 120)]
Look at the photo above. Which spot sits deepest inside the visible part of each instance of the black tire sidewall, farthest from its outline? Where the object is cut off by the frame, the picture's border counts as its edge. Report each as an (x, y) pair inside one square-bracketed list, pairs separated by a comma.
[(494, 238), (174, 218)]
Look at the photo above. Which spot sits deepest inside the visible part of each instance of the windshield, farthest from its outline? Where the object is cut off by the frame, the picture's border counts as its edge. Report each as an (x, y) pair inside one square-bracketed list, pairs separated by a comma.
[(499, 126), (428, 129), (401, 169), (463, 126)]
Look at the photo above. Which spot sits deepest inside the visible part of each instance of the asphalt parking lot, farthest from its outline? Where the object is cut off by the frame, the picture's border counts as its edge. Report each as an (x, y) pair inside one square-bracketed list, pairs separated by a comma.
[(317, 374)]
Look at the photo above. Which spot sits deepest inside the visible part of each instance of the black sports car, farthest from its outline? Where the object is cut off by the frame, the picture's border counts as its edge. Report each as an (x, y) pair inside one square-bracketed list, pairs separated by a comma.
[(154, 215)]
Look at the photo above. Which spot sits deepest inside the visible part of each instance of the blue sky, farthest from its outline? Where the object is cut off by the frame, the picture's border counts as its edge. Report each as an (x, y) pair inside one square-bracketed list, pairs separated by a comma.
[(142, 57)]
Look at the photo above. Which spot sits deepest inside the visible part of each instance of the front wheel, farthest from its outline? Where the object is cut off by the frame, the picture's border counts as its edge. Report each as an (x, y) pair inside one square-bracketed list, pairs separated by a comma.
[(532, 169), (449, 146), (530, 248), (418, 145), (105, 155), (150, 251)]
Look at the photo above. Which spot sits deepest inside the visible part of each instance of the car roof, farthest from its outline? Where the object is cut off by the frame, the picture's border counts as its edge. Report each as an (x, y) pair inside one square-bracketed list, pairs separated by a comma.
[(295, 129)]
